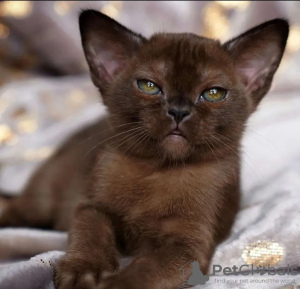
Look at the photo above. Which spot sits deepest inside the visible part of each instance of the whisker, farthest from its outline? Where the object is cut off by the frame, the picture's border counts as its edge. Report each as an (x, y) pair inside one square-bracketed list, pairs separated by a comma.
[(247, 161), (208, 143), (261, 138), (112, 137), (108, 129), (137, 142), (128, 138), (217, 139)]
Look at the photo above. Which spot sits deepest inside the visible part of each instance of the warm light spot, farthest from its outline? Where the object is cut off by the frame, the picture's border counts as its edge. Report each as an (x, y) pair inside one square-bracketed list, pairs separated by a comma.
[(3, 104), (263, 253), (117, 4), (45, 152), (293, 43), (17, 9), (63, 7), (27, 124), (112, 8), (216, 22), (4, 31), (5, 134), (38, 154), (13, 140), (77, 97), (239, 5)]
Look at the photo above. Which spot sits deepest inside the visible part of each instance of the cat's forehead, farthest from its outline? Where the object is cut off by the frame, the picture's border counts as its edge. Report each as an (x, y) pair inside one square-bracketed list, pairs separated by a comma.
[(183, 47), (176, 56)]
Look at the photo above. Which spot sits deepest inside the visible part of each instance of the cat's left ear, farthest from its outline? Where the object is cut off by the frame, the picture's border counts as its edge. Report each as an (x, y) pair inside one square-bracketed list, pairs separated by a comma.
[(257, 54), (107, 46)]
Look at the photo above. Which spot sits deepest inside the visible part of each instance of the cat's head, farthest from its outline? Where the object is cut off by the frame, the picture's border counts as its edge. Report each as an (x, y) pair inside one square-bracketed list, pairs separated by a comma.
[(180, 96)]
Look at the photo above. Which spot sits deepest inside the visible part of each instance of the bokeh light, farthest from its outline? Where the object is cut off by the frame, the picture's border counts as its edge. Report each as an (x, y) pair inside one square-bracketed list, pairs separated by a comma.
[(216, 22), (112, 8), (4, 31), (17, 9)]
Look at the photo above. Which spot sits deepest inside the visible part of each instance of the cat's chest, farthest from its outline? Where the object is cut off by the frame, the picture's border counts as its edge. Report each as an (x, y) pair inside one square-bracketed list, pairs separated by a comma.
[(138, 188)]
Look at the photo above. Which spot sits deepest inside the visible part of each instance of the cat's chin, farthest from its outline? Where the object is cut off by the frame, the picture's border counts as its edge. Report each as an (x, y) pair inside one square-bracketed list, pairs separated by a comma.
[(176, 146)]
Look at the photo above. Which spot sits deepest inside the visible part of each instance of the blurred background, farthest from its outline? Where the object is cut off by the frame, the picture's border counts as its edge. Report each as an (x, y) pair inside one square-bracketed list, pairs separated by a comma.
[(45, 90)]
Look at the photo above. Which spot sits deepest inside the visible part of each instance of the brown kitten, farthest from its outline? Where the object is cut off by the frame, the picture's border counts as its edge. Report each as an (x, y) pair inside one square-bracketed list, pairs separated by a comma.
[(164, 187)]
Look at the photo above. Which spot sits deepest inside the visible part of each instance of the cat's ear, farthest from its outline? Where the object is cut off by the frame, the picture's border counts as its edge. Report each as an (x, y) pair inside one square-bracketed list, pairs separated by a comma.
[(107, 46), (257, 54)]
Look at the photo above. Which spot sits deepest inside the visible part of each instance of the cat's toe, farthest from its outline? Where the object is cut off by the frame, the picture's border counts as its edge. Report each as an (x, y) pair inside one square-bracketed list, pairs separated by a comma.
[(70, 276), (115, 281), (76, 280)]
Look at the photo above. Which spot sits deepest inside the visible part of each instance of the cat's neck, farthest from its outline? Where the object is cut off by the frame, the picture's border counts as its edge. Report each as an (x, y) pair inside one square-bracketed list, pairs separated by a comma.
[(159, 162)]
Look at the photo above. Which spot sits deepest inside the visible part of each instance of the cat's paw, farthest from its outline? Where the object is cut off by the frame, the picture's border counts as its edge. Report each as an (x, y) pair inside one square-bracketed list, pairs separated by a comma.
[(72, 273), (116, 281)]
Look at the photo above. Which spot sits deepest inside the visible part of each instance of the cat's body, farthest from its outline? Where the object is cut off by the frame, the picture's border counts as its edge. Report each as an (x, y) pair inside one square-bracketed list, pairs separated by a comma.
[(163, 186), (54, 190)]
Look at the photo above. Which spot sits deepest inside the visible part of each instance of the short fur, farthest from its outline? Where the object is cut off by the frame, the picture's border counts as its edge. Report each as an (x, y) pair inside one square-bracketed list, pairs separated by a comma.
[(165, 199)]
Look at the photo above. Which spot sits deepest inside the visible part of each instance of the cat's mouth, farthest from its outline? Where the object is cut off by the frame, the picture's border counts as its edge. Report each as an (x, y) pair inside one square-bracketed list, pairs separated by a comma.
[(176, 133), (175, 144)]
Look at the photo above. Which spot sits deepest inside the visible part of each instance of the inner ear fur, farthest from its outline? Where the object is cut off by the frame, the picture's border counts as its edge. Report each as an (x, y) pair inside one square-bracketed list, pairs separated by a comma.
[(107, 46), (257, 54)]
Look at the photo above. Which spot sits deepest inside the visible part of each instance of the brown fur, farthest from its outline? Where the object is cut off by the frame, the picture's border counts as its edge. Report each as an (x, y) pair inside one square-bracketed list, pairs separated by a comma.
[(164, 199)]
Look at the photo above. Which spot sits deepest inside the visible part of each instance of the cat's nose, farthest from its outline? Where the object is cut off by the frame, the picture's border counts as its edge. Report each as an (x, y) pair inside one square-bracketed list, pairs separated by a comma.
[(178, 114)]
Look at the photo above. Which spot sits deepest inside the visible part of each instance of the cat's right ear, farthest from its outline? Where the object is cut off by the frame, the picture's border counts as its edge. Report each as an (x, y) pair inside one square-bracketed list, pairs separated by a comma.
[(107, 46), (257, 54)]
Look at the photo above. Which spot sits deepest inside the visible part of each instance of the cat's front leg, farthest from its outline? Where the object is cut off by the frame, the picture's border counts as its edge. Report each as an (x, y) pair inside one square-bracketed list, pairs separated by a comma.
[(92, 250), (159, 268)]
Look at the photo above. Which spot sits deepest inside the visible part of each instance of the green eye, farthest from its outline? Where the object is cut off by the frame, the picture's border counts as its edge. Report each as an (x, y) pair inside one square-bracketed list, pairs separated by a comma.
[(214, 94), (148, 87)]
